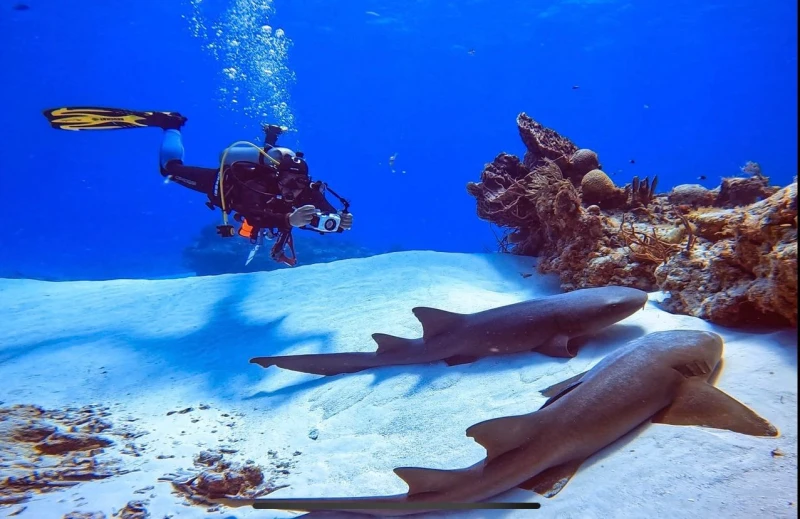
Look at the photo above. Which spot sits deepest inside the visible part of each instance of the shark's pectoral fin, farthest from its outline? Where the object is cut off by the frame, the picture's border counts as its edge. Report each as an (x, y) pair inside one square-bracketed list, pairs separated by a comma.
[(420, 481), (551, 481), (564, 385), (435, 321), (501, 435), (700, 403), (556, 346), (455, 360), (556, 391), (390, 343)]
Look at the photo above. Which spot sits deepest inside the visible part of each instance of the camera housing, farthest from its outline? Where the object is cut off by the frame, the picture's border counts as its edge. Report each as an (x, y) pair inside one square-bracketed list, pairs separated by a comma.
[(325, 222)]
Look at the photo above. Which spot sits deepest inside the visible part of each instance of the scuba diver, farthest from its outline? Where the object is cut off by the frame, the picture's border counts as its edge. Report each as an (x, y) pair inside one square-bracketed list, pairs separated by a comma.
[(268, 188)]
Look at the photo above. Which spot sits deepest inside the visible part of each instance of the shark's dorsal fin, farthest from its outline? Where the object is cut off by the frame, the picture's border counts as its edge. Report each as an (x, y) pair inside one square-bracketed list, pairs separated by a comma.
[(420, 481), (501, 435), (390, 343), (700, 403), (435, 321)]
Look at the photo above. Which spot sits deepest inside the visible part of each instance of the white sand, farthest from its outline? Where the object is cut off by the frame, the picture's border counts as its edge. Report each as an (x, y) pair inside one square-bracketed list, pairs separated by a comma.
[(170, 344)]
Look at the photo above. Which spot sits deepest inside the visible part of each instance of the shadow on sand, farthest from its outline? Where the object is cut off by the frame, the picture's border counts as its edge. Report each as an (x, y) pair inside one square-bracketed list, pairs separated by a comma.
[(600, 343)]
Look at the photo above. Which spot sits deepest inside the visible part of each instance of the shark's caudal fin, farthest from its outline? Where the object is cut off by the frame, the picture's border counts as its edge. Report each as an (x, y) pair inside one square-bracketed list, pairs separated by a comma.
[(421, 481), (435, 321), (700, 403)]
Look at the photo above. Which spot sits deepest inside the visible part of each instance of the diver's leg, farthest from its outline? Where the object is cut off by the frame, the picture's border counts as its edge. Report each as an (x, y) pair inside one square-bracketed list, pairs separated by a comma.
[(171, 149), (172, 167)]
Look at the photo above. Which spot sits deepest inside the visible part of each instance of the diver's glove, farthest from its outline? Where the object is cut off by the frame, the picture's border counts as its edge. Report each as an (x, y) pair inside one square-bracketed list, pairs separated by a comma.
[(302, 216), (347, 221)]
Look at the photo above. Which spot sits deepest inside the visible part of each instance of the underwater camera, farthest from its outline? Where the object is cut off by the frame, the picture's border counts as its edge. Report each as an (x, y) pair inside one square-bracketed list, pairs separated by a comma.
[(325, 222)]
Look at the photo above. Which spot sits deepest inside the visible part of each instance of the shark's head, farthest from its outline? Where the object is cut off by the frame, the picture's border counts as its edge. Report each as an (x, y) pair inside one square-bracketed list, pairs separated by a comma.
[(692, 352), (592, 309)]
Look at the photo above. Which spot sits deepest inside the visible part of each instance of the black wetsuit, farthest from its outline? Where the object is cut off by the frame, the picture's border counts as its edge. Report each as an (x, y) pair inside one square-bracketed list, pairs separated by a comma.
[(250, 190)]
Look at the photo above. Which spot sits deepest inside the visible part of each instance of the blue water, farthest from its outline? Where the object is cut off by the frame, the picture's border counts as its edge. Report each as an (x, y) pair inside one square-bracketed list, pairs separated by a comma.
[(683, 88)]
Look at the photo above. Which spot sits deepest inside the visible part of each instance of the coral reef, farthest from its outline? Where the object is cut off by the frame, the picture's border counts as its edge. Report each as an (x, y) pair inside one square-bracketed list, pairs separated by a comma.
[(735, 191), (213, 477), (210, 255), (46, 450), (728, 255), (748, 270), (692, 196)]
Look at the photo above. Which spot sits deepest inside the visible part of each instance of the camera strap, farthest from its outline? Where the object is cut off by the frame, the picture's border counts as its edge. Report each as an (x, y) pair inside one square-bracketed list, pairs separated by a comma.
[(325, 187)]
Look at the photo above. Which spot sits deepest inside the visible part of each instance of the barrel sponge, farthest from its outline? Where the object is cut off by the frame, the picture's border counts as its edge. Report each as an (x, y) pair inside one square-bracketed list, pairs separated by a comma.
[(596, 187)]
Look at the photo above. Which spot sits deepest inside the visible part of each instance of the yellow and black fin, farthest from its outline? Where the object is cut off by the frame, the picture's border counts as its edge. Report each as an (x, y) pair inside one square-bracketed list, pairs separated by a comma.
[(97, 118)]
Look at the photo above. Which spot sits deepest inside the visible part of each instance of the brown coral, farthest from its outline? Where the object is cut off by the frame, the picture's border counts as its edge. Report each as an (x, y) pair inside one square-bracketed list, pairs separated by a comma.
[(543, 144), (598, 188), (50, 450), (501, 193), (747, 274), (693, 195), (736, 191), (582, 162), (647, 247), (640, 193), (214, 478)]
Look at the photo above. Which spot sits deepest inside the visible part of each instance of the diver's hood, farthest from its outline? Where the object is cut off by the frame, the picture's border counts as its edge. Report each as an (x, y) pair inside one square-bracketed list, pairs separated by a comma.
[(288, 161)]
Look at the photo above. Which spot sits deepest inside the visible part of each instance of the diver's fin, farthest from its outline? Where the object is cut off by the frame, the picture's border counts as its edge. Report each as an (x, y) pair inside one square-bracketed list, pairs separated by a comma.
[(550, 482), (700, 403), (97, 118)]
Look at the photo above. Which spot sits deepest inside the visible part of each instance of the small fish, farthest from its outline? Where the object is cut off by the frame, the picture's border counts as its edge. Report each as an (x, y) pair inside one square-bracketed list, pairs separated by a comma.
[(647, 106), (21, 7), (391, 161), (633, 161), (372, 13), (575, 87), (701, 177), (471, 52)]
